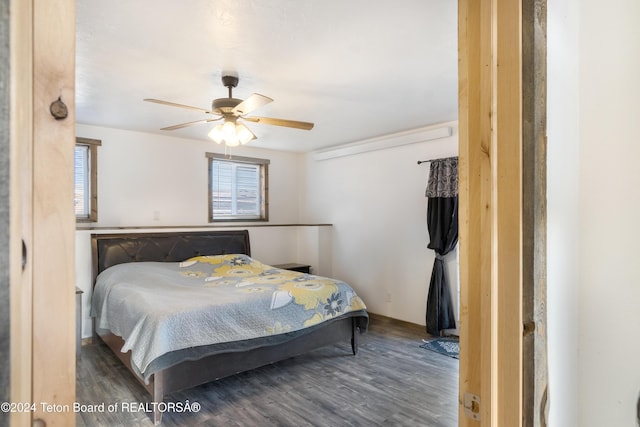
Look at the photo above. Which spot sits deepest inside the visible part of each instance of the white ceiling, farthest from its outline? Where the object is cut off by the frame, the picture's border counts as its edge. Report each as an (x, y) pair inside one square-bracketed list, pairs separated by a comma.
[(356, 68)]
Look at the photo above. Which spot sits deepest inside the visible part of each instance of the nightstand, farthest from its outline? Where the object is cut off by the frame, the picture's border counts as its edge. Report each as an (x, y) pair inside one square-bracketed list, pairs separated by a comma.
[(301, 268)]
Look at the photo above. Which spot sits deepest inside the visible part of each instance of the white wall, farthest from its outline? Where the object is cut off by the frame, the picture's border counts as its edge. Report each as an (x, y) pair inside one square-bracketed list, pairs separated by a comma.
[(563, 241), (376, 203), (609, 348), (594, 292), (141, 174)]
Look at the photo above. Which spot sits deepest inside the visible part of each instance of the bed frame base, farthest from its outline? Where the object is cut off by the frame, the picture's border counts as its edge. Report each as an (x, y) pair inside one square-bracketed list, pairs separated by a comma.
[(193, 373)]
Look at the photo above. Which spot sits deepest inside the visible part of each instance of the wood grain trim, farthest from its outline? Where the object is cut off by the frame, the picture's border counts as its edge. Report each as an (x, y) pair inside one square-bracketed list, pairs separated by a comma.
[(534, 160), (490, 114), (507, 261), (54, 222), (473, 206)]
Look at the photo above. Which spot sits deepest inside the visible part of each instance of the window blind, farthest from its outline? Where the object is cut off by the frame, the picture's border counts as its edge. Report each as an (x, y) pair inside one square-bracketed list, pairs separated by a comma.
[(82, 175), (235, 190)]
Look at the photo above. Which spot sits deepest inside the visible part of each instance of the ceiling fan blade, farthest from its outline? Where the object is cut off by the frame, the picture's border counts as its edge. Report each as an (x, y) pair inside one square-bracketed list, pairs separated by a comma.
[(253, 102), (280, 122), (173, 104), (184, 125)]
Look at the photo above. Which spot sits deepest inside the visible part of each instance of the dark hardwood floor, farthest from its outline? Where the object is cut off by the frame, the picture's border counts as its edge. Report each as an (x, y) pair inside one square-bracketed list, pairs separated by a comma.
[(391, 382)]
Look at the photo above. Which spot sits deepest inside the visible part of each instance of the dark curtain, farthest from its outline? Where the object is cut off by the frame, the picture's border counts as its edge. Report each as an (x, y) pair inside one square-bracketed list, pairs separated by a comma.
[(442, 223)]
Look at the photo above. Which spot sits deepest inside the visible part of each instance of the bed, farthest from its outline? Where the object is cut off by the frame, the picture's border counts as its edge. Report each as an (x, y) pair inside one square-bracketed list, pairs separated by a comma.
[(167, 305)]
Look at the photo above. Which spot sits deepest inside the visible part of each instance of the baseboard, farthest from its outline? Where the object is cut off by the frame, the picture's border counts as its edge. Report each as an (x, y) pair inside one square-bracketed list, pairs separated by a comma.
[(380, 319)]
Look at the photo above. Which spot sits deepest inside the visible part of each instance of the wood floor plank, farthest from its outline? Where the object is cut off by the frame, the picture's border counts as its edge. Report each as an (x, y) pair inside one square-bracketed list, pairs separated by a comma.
[(391, 382)]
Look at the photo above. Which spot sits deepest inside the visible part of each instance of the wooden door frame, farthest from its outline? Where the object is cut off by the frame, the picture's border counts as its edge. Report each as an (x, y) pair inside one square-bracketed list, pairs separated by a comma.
[(534, 215), (42, 228), (502, 120)]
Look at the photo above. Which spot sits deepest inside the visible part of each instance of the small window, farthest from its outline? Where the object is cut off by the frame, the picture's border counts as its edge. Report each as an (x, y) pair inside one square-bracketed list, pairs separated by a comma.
[(85, 165), (237, 188)]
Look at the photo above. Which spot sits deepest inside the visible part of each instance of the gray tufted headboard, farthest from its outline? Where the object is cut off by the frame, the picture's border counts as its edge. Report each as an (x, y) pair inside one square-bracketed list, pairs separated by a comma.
[(112, 249)]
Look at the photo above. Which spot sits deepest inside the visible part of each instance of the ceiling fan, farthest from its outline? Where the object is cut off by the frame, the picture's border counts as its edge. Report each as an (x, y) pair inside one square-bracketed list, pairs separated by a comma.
[(232, 111)]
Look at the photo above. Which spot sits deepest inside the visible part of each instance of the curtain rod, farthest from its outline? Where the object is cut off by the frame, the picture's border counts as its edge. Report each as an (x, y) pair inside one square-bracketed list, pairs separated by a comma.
[(435, 160)]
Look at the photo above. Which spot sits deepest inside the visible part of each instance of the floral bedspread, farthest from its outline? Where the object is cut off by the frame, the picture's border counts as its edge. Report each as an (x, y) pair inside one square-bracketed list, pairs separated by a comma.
[(159, 307)]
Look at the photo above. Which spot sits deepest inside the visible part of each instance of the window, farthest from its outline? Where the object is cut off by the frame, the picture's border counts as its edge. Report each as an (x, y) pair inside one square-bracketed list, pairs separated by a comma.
[(238, 188), (85, 177)]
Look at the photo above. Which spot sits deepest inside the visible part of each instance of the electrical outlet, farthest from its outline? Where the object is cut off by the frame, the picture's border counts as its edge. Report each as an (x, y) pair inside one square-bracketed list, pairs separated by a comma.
[(388, 296)]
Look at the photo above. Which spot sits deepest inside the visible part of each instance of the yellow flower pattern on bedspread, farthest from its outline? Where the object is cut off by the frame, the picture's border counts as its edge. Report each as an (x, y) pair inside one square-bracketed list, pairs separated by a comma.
[(318, 295)]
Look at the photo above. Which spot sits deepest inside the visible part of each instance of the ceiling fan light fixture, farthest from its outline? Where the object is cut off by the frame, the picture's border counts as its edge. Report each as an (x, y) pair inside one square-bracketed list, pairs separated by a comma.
[(229, 133), (216, 134), (244, 134)]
